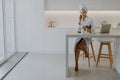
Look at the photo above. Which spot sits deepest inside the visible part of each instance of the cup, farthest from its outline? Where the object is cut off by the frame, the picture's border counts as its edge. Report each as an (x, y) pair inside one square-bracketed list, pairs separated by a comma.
[(78, 28), (82, 31)]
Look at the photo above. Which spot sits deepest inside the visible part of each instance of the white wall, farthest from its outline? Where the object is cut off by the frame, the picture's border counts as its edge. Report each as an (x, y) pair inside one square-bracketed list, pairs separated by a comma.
[(32, 35), (30, 25)]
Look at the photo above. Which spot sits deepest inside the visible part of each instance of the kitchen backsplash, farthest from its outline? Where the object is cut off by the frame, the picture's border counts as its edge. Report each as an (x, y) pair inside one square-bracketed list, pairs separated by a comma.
[(70, 18)]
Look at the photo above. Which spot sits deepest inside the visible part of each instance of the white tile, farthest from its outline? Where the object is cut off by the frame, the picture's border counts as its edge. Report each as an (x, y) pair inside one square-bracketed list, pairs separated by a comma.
[(52, 67)]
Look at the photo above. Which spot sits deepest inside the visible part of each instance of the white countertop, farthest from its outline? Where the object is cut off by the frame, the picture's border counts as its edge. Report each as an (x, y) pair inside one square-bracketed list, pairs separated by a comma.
[(75, 34)]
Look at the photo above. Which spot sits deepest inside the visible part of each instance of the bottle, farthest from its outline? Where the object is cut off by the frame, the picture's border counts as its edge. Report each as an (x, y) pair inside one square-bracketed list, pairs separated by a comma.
[(88, 30)]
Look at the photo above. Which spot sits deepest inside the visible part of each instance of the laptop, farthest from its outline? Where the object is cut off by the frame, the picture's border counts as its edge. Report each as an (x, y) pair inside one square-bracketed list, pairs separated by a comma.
[(105, 28)]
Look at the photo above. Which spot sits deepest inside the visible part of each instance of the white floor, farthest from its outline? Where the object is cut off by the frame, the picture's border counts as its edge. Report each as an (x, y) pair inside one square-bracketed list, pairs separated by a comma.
[(10, 63), (52, 67)]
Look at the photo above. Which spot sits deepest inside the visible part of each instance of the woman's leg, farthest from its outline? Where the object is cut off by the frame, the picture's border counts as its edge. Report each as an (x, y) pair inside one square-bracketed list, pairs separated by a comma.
[(83, 47), (77, 52)]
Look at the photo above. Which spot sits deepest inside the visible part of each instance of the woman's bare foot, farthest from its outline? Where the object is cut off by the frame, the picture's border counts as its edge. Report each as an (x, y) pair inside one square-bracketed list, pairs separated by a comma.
[(76, 68)]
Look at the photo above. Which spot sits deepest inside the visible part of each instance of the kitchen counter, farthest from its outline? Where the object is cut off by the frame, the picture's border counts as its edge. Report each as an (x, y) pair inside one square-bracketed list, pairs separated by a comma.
[(116, 36)]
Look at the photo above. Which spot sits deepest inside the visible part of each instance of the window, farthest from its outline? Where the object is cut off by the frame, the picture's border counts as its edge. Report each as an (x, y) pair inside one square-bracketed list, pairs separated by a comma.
[(7, 29)]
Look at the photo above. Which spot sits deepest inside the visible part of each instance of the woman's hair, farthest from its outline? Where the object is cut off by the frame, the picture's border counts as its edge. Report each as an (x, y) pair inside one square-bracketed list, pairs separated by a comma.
[(83, 7), (84, 10)]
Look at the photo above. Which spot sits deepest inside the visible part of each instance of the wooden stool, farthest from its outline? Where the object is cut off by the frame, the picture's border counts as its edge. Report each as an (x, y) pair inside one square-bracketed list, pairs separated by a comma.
[(109, 55), (90, 55)]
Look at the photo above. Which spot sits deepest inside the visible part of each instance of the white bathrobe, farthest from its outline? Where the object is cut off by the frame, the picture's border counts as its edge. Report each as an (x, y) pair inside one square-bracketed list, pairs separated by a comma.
[(87, 22)]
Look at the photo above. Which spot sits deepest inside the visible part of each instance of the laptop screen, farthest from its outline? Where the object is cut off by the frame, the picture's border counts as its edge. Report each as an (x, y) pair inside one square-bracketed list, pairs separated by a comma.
[(105, 28)]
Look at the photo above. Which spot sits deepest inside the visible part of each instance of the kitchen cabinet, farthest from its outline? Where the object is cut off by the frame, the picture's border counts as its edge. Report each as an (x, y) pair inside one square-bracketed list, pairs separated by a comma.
[(93, 5), (59, 4), (111, 5)]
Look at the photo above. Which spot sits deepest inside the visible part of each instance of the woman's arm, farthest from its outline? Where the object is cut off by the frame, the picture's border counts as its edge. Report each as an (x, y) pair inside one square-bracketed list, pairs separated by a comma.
[(80, 18), (89, 26)]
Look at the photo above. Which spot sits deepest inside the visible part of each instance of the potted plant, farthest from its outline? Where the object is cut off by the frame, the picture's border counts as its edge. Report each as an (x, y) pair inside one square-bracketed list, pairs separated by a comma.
[(51, 24), (118, 25)]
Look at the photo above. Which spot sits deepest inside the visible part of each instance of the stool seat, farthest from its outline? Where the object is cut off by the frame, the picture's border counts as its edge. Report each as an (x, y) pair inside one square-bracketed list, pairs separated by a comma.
[(105, 40)]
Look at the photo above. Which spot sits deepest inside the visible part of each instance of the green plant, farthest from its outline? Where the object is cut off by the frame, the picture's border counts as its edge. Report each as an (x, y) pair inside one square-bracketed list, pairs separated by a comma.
[(118, 25)]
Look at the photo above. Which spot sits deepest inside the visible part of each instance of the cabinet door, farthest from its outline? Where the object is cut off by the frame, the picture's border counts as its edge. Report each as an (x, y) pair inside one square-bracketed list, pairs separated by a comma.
[(111, 5), (93, 5), (59, 4), (73, 4)]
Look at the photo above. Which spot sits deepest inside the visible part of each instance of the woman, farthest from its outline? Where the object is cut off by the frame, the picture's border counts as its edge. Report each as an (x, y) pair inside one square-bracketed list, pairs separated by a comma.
[(86, 24)]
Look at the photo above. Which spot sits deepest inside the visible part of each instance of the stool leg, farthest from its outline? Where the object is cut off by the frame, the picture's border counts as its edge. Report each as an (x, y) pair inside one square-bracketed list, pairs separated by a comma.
[(89, 61), (110, 55), (100, 50), (87, 51), (93, 51), (88, 57)]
